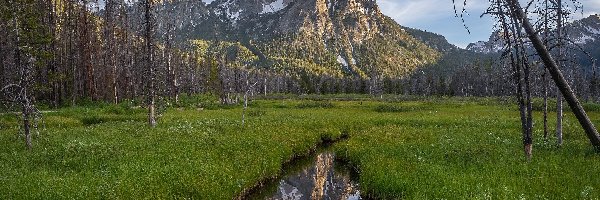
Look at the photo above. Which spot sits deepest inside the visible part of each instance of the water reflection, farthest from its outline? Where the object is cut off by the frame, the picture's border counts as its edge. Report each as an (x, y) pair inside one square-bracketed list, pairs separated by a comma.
[(316, 178)]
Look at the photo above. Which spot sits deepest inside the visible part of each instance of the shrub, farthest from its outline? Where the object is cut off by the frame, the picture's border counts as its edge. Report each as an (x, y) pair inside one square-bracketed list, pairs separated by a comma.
[(315, 104), (256, 113), (591, 107), (198, 101), (397, 108), (91, 120)]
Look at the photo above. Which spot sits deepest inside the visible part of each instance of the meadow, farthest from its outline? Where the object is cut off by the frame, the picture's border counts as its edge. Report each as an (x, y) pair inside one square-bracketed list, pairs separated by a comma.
[(453, 148)]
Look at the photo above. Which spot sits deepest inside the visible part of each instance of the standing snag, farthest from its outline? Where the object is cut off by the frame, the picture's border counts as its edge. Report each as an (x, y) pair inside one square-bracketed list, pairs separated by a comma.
[(556, 74)]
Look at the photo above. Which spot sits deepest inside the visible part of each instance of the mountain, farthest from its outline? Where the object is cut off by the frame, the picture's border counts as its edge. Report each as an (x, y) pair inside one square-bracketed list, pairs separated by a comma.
[(433, 40), (452, 58), (586, 34), (332, 37), (493, 45), (582, 34), (585, 31)]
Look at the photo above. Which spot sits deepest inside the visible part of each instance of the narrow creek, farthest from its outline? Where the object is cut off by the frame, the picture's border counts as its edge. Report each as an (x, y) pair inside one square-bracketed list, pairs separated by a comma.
[(318, 176)]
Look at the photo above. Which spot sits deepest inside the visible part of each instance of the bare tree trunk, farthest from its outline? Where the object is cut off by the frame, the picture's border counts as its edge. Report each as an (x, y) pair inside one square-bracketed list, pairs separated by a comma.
[(27, 124), (520, 70), (559, 119), (25, 71), (23, 83), (559, 98), (150, 63), (52, 64), (249, 88), (71, 28), (152, 113), (545, 91), (544, 75), (557, 76)]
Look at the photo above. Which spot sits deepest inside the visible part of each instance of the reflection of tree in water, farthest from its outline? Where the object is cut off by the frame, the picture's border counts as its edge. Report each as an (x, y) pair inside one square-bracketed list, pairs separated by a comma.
[(319, 181)]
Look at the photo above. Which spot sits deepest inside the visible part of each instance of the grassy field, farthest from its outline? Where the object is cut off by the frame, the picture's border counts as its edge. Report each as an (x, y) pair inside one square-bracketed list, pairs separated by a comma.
[(443, 148)]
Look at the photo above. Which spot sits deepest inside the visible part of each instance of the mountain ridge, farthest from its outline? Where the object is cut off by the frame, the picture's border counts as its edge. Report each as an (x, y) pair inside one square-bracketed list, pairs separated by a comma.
[(584, 32), (348, 37)]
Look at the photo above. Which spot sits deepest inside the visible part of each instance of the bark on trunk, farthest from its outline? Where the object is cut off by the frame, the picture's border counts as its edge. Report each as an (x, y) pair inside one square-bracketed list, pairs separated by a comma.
[(150, 64), (545, 91), (545, 74), (23, 82), (557, 76), (152, 113), (559, 99), (559, 119), (27, 125)]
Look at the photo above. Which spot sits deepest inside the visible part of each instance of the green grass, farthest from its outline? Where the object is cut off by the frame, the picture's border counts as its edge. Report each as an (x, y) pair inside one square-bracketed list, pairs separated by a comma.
[(442, 148), (470, 152)]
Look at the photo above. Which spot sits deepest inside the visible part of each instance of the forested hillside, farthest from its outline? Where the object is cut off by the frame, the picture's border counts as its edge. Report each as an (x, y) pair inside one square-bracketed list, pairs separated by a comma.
[(86, 50)]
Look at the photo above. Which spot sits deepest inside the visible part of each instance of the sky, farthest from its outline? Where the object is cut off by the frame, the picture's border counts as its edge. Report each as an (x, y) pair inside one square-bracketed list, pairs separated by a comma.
[(438, 16)]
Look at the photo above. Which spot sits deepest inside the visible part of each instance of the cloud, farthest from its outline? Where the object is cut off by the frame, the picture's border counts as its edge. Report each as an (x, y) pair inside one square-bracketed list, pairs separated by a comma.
[(438, 16), (411, 11), (590, 7)]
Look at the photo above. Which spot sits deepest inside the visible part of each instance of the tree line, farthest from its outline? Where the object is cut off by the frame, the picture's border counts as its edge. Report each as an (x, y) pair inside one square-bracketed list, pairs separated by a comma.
[(62, 52)]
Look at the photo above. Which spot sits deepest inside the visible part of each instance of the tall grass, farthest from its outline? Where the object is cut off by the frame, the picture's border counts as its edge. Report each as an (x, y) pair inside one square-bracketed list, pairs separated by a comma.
[(452, 148)]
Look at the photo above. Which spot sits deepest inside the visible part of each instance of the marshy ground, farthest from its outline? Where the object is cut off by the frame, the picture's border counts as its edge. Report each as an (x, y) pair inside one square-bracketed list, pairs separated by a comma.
[(443, 148)]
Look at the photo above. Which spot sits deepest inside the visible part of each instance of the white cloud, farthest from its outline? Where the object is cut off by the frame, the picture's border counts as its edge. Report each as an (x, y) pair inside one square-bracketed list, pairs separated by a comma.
[(412, 11), (438, 16), (590, 7)]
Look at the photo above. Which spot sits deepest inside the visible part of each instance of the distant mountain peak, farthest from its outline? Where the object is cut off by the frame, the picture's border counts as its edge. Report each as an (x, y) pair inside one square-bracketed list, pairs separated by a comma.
[(583, 41), (581, 32)]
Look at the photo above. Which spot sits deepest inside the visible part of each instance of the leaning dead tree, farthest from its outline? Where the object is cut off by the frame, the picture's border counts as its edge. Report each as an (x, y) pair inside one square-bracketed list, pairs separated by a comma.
[(514, 11)]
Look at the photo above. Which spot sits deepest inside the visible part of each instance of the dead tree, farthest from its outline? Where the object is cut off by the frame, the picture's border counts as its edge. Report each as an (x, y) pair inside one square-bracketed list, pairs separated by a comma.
[(515, 55), (26, 50), (249, 88), (519, 63), (545, 73), (150, 68), (557, 76), (511, 10), (559, 97)]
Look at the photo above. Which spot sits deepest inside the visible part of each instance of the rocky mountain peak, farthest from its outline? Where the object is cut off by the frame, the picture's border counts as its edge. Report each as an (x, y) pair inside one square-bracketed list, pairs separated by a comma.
[(347, 36), (585, 30), (583, 41)]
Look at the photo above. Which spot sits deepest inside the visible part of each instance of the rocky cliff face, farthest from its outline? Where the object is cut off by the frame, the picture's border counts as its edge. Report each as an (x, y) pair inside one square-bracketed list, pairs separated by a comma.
[(337, 37)]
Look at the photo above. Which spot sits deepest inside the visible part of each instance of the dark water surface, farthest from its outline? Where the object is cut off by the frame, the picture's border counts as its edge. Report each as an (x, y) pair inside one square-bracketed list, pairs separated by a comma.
[(314, 177)]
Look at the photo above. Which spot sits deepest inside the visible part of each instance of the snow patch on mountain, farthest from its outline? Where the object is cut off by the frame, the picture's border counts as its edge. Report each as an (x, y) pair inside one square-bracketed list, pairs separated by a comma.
[(486, 47), (342, 61), (207, 2), (593, 30), (273, 7), (584, 39), (477, 46)]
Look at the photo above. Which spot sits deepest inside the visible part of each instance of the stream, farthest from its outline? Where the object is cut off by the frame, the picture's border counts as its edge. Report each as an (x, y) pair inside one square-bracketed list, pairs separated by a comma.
[(317, 176)]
